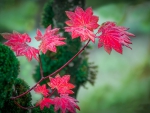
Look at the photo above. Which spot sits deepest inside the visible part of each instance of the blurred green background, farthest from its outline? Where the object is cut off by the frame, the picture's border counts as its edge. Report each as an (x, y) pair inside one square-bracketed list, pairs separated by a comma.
[(123, 81)]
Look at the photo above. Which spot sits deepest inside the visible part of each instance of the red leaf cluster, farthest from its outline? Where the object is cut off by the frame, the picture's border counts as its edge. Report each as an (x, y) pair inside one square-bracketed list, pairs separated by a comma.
[(64, 102), (82, 23), (41, 89), (50, 39), (45, 102), (113, 36), (18, 43), (61, 84)]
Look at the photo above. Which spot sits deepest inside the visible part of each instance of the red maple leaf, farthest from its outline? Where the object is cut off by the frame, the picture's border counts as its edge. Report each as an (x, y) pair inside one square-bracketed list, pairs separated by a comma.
[(16, 37), (45, 102), (82, 23), (113, 36), (50, 39), (18, 43), (41, 89), (61, 84), (65, 102)]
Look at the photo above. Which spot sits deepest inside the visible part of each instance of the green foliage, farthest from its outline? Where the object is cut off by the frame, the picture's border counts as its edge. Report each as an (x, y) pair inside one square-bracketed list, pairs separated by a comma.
[(20, 86), (45, 110), (85, 68), (9, 69), (79, 69), (48, 14)]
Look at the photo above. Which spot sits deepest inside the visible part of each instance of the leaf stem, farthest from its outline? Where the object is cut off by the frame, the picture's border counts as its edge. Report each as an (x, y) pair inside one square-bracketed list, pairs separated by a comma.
[(43, 78), (52, 93)]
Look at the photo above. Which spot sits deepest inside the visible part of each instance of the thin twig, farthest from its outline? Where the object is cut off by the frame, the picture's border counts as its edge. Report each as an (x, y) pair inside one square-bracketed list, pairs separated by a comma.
[(27, 108), (43, 78), (41, 69), (27, 90)]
